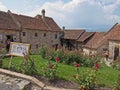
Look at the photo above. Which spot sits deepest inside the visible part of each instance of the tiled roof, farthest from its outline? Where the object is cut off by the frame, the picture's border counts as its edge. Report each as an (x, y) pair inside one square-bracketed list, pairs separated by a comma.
[(94, 41), (6, 21), (85, 36), (11, 20), (73, 34), (49, 22), (99, 39), (30, 22), (115, 33), (112, 34)]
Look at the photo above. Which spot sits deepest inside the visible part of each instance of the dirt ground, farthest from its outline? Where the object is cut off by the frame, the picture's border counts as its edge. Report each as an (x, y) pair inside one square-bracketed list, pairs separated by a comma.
[(69, 85)]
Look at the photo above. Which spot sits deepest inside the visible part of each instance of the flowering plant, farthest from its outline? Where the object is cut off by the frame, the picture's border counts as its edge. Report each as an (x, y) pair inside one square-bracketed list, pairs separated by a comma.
[(57, 59), (87, 79), (96, 65), (27, 66), (77, 65), (49, 71)]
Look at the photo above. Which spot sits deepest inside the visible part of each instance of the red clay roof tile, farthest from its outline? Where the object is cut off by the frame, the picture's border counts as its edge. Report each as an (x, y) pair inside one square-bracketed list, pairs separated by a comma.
[(49, 22), (30, 22), (27, 22), (85, 36), (6, 21), (94, 41), (73, 34)]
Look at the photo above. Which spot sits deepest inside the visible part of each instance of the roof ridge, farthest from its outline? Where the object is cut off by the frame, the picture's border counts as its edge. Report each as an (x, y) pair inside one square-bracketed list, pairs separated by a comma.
[(14, 19), (46, 24), (81, 34)]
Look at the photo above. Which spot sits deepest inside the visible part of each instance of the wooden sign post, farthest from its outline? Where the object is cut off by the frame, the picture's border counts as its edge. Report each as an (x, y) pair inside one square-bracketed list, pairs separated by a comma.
[(18, 49)]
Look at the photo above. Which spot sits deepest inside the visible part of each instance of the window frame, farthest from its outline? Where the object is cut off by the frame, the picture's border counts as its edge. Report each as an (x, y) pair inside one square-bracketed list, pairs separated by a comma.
[(36, 34), (23, 34)]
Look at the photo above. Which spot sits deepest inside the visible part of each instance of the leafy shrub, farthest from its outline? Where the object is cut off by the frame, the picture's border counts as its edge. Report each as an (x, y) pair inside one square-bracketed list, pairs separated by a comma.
[(86, 79), (28, 66), (88, 61), (49, 71), (43, 51), (67, 57), (72, 57)]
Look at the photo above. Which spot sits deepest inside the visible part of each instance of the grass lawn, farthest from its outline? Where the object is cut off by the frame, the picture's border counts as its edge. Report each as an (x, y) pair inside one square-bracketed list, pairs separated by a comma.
[(106, 75)]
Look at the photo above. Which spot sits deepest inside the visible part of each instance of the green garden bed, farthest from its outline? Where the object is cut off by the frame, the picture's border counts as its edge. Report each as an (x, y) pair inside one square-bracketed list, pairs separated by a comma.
[(106, 76)]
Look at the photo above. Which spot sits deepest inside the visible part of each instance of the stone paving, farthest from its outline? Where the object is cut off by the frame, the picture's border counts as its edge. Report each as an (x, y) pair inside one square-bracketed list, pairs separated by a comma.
[(16, 81), (12, 83)]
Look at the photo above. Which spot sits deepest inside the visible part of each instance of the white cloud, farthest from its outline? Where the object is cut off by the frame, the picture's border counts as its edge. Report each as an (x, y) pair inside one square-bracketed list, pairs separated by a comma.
[(2, 7), (84, 13)]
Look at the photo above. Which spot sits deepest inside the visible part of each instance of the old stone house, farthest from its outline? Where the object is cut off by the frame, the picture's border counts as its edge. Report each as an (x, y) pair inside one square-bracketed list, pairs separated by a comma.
[(102, 41), (93, 46), (75, 39), (69, 40), (36, 31), (83, 39), (114, 42)]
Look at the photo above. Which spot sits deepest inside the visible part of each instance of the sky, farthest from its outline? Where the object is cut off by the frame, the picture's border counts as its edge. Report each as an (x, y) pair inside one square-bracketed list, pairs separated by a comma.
[(92, 15)]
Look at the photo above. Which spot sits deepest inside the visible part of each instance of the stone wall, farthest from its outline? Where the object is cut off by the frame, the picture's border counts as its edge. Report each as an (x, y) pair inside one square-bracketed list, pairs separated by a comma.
[(43, 37), (112, 45), (4, 33), (89, 51)]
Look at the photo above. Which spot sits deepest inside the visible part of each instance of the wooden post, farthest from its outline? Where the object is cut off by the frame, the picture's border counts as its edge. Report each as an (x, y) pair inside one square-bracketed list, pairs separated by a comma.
[(10, 62)]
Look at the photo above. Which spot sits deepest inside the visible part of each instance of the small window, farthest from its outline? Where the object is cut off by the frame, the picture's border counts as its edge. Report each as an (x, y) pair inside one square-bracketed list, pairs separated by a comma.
[(24, 33), (55, 36), (36, 34), (44, 35)]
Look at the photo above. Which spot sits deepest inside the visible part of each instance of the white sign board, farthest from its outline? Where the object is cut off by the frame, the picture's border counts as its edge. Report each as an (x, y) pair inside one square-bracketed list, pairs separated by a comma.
[(19, 49)]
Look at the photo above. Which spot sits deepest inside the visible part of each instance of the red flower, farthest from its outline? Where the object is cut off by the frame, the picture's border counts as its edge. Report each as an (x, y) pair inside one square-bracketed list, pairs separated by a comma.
[(57, 59), (50, 66), (77, 65), (74, 76), (96, 66)]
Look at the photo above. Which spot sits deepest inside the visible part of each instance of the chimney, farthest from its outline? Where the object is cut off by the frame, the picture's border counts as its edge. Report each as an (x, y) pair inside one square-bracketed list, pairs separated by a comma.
[(63, 27), (43, 13)]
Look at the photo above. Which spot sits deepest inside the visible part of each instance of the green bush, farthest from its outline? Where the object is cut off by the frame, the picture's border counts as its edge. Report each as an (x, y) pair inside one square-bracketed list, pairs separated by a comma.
[(88, 61), (43, 51), (67, 57), (27, 66), (50, 69), (86, 79), (72, 57)]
